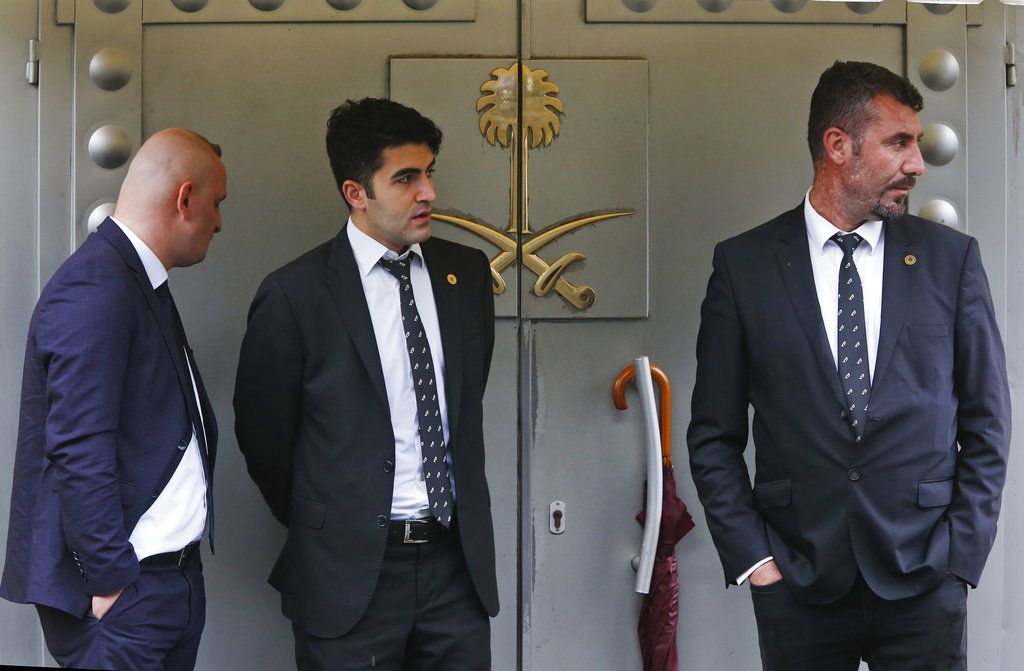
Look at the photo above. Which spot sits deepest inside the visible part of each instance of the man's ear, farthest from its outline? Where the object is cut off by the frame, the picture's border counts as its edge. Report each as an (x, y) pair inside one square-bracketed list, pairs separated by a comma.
[(838, 145), (182, 200), (355, 194)]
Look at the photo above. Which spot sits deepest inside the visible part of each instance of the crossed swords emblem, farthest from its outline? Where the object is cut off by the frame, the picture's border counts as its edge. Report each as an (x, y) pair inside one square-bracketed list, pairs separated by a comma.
[(499, 124), (549, 276)]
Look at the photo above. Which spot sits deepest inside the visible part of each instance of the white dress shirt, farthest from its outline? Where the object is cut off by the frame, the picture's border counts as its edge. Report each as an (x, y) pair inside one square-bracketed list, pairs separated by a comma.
[(178, 515), (382, 296), (825, 259)]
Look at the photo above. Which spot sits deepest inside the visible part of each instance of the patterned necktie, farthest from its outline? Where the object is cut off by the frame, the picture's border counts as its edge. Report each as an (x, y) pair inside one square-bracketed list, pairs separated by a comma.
[(428, 409), (851, 350)]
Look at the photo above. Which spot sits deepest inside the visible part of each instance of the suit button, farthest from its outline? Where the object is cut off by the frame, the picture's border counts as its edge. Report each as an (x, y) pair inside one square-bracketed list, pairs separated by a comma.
[(388, 466), (382, 521), (843, 414), (182, 445), (854, 474)]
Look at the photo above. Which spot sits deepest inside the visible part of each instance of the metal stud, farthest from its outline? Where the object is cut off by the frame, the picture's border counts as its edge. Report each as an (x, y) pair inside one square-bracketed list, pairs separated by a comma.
[(939, 9), (639, 5), (111, 6), (863, 7), (344, 4), (266, 5), (789, 6), (940, 210), (110, 68), (939, 69), (715, 6), (939, 144), (190, 5), (97, 213), (109, 147)]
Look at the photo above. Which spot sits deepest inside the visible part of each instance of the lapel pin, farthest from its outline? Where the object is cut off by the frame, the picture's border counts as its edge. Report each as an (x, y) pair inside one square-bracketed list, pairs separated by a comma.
[(910, 259), (452, 279)]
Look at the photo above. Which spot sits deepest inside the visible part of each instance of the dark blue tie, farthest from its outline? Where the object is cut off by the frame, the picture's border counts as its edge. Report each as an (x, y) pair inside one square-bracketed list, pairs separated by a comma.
[(851, 340), (180, 350), (428, 408)]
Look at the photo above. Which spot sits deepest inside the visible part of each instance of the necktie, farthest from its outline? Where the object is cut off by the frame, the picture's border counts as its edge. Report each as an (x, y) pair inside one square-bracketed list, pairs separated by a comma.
[(428, 409), (172, 324), (851, 341)]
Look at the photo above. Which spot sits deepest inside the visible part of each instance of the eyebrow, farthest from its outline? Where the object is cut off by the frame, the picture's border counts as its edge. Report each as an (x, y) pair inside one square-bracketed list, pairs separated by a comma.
[(411, 171)]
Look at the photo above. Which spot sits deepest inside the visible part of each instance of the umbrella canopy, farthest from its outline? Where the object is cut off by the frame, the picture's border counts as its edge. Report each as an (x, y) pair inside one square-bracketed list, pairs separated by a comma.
[(660, 613)]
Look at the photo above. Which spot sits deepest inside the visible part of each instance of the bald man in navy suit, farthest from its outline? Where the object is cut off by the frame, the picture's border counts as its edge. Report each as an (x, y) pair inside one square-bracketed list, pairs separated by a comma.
[(113, 485)]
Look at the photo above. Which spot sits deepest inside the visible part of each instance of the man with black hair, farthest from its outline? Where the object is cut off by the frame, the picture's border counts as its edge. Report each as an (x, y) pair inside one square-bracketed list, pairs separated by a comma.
[(358, 408), (865, 340)]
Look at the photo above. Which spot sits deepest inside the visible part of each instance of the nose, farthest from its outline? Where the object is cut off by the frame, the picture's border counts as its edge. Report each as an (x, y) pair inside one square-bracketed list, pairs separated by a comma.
[(426, 193), (914, 164)]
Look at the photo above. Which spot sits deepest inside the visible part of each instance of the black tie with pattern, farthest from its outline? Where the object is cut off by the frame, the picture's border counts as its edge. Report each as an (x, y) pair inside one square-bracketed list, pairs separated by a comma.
[(852, 349), (428, 409)]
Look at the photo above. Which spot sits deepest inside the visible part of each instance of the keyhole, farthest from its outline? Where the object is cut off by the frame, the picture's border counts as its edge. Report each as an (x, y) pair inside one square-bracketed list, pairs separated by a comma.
[(558, 519)]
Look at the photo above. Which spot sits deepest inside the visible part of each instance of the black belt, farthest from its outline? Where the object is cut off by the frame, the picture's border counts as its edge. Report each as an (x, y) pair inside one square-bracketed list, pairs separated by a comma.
[(179, 557), (427, 530)]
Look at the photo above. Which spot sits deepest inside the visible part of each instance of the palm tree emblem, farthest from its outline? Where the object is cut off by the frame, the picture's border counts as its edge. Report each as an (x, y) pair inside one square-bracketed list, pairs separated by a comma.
[(541, 123)]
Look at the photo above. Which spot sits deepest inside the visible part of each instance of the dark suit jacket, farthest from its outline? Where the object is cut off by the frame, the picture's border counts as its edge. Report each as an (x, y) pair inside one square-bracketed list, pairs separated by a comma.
[(904, 506), (313, 422), (104, 423)]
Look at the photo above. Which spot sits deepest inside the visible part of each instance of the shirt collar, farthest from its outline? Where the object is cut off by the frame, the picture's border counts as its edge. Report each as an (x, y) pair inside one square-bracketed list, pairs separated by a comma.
[(154, 268), (368, 252), (820, 230)]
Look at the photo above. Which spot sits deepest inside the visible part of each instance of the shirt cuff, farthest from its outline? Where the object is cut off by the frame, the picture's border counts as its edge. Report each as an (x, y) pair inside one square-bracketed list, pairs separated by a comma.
[(739, 581)]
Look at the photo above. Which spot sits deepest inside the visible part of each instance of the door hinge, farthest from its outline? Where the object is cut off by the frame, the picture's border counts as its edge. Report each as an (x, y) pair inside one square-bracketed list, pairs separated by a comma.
[(32, 67), (1010, 58)]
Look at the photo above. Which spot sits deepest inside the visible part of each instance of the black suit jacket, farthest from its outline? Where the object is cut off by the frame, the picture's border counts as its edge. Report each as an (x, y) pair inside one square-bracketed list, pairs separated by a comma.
[(904, 506), (313, 422), (104, 424)]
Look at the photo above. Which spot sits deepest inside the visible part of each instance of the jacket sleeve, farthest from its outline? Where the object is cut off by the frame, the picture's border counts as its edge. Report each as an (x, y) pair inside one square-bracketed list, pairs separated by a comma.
[(983, 423), (83, 335), (717, 435), (268, 396)]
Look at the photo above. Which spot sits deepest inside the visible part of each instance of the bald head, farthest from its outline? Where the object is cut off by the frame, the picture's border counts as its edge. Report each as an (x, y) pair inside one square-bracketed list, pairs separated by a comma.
[(171, 195)]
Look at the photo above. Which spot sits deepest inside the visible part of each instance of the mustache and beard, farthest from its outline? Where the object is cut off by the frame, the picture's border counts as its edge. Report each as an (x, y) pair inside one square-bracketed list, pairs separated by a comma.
[(883, 210)]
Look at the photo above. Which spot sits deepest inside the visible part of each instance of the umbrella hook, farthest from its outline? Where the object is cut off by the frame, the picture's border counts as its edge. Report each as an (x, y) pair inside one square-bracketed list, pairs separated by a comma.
[(664, 409)]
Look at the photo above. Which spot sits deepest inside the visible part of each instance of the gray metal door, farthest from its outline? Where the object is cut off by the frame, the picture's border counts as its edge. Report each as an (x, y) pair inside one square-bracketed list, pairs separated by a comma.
[(19, 104), (676, 125)]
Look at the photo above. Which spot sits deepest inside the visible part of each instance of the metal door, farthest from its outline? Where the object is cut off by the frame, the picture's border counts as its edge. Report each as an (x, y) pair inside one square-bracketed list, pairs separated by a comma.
[(19, 103), (677, 124)]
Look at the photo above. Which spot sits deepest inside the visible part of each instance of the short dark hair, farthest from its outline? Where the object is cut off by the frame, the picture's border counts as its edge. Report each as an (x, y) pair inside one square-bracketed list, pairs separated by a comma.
[(359, 131), (843, 98)]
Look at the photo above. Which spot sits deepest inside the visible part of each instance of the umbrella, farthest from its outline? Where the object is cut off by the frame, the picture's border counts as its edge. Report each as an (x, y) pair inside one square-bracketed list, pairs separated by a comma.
[(660, 613)]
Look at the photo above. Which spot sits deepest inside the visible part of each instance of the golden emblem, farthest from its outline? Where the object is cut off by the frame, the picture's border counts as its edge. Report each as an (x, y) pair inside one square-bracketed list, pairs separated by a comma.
[(910, 259), (452, 279), (499, 124)]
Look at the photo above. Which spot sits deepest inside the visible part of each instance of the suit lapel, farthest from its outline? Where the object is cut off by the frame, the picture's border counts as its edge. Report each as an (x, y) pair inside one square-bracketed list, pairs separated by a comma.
[(897, 284), (346, 287), (120, 242), (794, 261), (446, 299)]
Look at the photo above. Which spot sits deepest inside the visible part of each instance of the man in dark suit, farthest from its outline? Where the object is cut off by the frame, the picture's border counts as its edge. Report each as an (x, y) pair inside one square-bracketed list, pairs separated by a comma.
[(112, 478), (359, 411), (881, 410)]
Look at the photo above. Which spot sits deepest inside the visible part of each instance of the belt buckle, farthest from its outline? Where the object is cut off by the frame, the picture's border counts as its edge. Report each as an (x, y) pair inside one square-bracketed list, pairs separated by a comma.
[(182, 555), (409, 524)]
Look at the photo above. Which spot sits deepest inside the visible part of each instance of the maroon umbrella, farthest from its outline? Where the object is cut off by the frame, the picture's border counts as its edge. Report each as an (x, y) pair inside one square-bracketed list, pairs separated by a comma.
[(660, 613)]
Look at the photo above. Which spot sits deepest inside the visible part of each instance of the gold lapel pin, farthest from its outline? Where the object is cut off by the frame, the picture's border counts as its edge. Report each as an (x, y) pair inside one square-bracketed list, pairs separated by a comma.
[(910, 259), (455, 280)]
